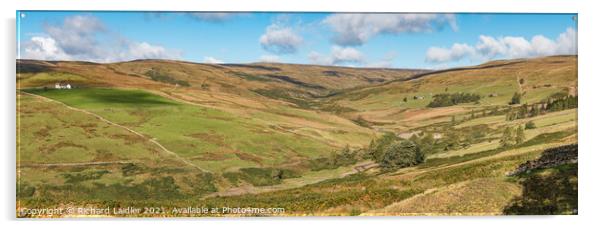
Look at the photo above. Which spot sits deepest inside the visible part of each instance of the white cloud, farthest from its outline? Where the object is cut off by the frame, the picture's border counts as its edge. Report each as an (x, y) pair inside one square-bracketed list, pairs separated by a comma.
[(350, 57), (338, 56), (143, 50), (212, 60), (506, 47), (456, 52), (567, 42), (490, 47), (517, 47), (213, 17), (280, 40), (77, 35), (77, 38), (44, 48), (542, 45), (270, 59), (357, 29)]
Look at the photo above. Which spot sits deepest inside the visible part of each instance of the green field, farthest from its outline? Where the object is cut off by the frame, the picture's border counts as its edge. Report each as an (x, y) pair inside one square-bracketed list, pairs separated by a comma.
[(191, 131)]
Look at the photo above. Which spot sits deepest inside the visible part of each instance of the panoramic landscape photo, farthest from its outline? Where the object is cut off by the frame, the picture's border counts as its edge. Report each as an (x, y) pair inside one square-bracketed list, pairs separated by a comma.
[(212, 114)]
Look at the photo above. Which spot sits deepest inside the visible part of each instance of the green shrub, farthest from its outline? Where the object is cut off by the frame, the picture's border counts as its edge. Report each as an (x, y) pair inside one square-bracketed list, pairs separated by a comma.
[(84, 176), (401, 154), (261, 176), (162, 188), (25, 190), (515, 98), (232, 177), (344, 158), (202, 183), (530, 125), (131, 169)]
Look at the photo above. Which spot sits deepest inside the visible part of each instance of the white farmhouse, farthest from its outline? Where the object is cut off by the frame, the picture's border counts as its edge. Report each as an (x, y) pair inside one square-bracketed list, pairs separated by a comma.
[(60, 86)]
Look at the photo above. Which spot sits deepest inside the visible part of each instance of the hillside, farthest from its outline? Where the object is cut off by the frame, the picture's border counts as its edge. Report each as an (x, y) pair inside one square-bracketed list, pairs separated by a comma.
[(302, 137), (495, 81)]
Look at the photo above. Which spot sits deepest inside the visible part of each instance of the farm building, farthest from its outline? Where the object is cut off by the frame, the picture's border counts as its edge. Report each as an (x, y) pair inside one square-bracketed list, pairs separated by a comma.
[(62, 86)]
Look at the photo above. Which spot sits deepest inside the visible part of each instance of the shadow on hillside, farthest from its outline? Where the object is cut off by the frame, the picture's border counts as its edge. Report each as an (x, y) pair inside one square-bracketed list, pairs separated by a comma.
[(549, 194), (28, 66), (105, 96), (137, 98)]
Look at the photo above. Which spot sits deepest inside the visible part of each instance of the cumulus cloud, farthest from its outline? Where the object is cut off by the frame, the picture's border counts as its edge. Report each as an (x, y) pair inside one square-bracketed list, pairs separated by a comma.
[(350, 57), (507, 47), (44, 48), (143, 50), (279, 39), (338, 56), (77, 38), (357, 29), (567, 42), (489, 47), (456, 52), (212, 60), (269, 59)]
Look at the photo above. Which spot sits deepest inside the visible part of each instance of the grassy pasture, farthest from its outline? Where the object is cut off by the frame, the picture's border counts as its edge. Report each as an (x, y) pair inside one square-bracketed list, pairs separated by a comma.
[(67, 148), (191, 131), (58, 135)]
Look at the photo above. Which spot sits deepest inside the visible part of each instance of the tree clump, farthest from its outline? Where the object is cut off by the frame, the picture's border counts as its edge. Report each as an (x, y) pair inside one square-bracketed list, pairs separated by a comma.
[(512, 136), (516, 98), (446, 99), (401, 154)]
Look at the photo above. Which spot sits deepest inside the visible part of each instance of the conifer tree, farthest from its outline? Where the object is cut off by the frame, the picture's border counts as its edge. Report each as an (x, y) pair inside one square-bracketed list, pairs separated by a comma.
[(507, 138), (520, 135)]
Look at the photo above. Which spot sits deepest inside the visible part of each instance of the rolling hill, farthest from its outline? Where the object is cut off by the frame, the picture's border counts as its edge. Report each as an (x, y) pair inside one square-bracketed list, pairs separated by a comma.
[(170, 133)]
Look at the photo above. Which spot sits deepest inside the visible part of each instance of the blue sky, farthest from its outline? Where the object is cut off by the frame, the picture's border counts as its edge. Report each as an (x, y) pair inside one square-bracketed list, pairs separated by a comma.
[(360, 40)]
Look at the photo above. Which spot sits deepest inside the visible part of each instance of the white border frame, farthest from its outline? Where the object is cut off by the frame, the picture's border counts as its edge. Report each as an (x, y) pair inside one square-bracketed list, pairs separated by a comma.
[(590, 78)]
